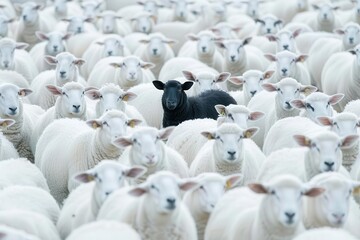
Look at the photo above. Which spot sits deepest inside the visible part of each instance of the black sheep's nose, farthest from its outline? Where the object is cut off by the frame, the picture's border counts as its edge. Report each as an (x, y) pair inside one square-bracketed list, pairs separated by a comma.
[(171, 105)]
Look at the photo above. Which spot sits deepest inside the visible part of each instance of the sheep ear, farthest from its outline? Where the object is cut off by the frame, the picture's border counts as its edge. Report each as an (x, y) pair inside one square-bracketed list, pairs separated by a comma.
[(21, 45), (67, 36), (256, 116), (165, 133), (223, 77), (298, 103), (270, 57), (170, 41), (188, 75), (4, 123), (192, 37), (334, 99), (316, 7), (352, 51), (237, 80), (232, 180), (55, 90), (325, 121), (123, 142), (270, 87), (278, 22), (186, 85), (158, 84), (221, 109), (271, 37), (259, 21), (147, 65), (339, 31), (39, 7), (135, 171), (99, 43), (247, 41), (188, 184), (314, 192), (144, 41), (302, 58), (268, 74), (3, 235), (250, 132), (302, 140), (84, 177), (116, 65), (349, 141), (23, 92), (133, 122), (208, 135), (139, 190), (258, 188), (93, 94), (42, 36), (50, 60), (128, 96), (220, 44), (94, 123), (307, 90), (10, 20), (79, 61), (297, 32)]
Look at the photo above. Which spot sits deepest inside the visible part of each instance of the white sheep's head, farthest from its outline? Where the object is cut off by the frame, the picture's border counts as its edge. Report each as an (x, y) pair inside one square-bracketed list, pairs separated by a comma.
[(55, 42), (283, 200), (325, 149), (181, 10), (269, 24), (132, 69), (10, 95), (112, 46), (287, 90), (146, 145), (221, 9), (356, 51), (302, 5), (206, 45), (234, 51), (71, 96), (285, 40), (91, 8), (156, 45), (29, 12), (225, 30), (143, 22), (286, 62), (77, 24), (109, 176), (150, 6), (112, 125), (66, 66), (60, 7), (110, 96), (204, 81), (332, 207), (237, 114), (211, 189), (252, 81), (252, 7), (162, 191), (317, 104), (228, 141), (109, 19), (351, 35), (343, 124), (4, 25), (7, 52), (325, 13)]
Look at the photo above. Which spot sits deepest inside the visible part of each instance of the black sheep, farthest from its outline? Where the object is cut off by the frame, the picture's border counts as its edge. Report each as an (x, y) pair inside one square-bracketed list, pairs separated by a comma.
[(179, 108)]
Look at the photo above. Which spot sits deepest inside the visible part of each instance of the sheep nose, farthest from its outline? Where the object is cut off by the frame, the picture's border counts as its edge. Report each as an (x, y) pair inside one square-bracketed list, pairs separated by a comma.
[(171, 105), (325, 15), (79, 29), (338, 216), (290, 216), (6, 64), (329, 165), (268, 30), (288, 104), (77, 107), (62, 73), (284, 70), (351, 40), (232, 58), (286, 47), (171, 201), (144, 29), (55, 48), (150, 156), (13, 110), (24, 17), (203, 49), (253, 92), (155, 51), (110, 53)]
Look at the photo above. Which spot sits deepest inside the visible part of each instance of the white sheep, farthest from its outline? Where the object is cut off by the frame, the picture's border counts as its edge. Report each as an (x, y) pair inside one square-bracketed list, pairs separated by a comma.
[(29, 198), (109, 45), (7, 149), (275, 214), (52, 44), (155, 49), (70, 103), (250, 81), (19, 171), (91, 8), (239, 58), (186, 137), (143, 22), (84, 203), (132, 40), (67, 70), (109, 230), (123, 71), (31, 21), (202, 200), (341, 74), (351, 15), (289, 64), (61, 9), (4, 26), (8, 233), (324, 48), (75, 25), (229, 152), (15, 78), (29, 222), (85, 148), (154, 208), (286, 10), (325, 233), (322, 153), (146, 148), (225, 30), (14, 58), (202, 47), (285, 40), (275, 103), (353, 107), (110, 23)]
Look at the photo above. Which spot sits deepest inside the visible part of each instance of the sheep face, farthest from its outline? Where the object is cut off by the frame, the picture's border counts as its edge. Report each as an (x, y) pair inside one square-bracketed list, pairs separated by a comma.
[(234, 51), (285, 40), (269, 25), (286, 63), (112, 47), (10, 100), (156, 45), (150, 6), (343, 124), (205, 43), (351, 35), (252, 8), (30, 12), (181, 9), (131, 69), (55, 42), (225, 30), (108, 176), (204, 81), (109, 22), (91, 8), (302, 4), (60, 7), (4, 28), (143, 23), (162, 191), (76, 24), (7, 52), (325, 13)]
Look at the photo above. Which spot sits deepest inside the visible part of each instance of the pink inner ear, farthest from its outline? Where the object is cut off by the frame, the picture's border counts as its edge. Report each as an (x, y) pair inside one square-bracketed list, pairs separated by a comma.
[(137, 192), (258, 188), (256, 115)]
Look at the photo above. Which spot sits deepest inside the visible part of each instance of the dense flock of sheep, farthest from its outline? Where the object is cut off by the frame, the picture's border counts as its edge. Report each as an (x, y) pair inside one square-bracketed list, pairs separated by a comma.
[(179, 119)]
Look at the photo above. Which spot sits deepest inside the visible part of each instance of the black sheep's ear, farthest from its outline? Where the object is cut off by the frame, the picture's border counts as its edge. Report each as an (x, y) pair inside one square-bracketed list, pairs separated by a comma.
[(158, 84), (186, 85)]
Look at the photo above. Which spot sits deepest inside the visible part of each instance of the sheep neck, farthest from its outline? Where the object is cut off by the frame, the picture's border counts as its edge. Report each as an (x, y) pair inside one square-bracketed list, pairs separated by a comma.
[(29, 30), (350, 156), (13, 133), (310, 171), (95, 203), (208, 59)]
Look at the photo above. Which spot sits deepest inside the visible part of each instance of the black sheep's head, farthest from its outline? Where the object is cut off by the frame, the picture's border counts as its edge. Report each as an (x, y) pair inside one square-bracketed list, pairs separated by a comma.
[(173, 92)]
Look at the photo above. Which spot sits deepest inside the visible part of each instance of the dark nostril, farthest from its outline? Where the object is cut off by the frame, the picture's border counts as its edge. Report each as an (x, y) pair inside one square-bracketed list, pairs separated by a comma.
[(13, 109), (24, 17), (269, 31), (110, 53), (286, 47), (203, 48), (284, 70), (329, 164), (107, 193), (290, 215), (76, 106), (232, 153), (62, 73), (171, 200), (253, 92), (288, 104)]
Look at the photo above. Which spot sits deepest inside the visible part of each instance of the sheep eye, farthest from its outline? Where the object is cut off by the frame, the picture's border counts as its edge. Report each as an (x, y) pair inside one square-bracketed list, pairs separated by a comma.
[(153, 187), (230, 116), (124, 64), (272, 192), (105, 123), (297, 90), (308, 105), (261, 79)]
